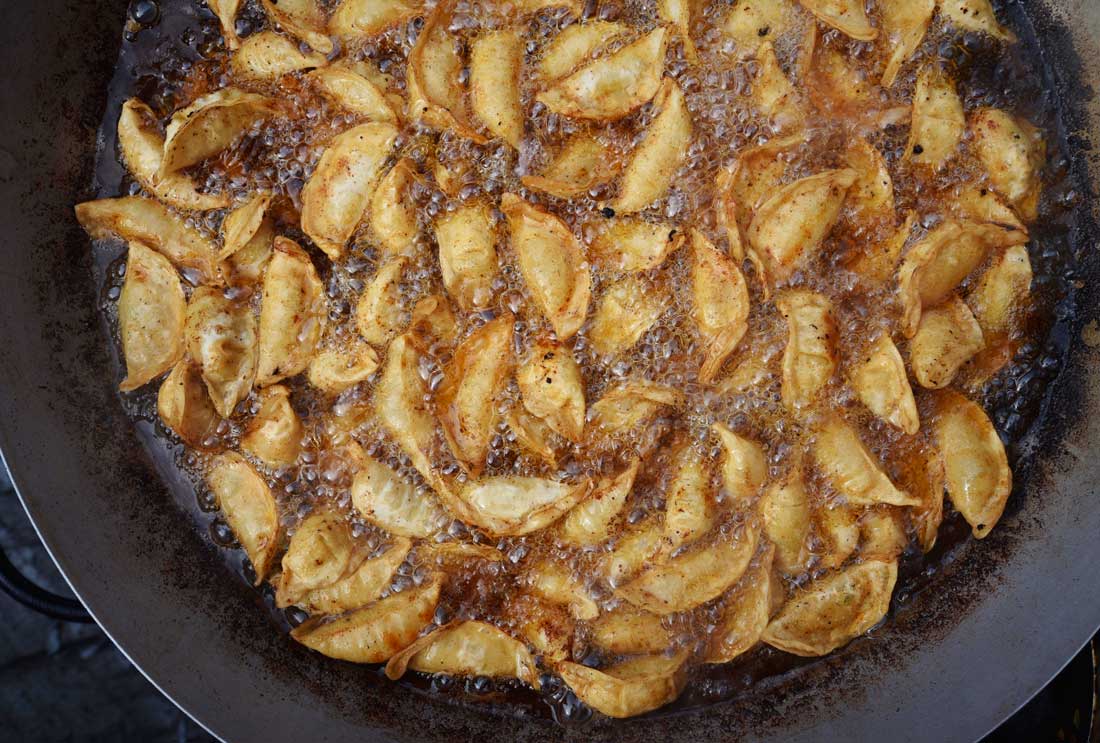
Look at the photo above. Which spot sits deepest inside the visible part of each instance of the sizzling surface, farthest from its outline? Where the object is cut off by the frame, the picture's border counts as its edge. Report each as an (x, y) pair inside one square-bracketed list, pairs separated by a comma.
[(280, 158)]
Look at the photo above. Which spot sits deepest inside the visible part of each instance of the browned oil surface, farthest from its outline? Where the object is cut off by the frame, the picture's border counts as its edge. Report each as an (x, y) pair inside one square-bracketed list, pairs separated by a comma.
[(180, 56)]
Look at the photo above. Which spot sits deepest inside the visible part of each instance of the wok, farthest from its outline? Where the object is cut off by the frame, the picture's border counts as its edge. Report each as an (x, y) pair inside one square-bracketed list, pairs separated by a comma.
[(118, 516)]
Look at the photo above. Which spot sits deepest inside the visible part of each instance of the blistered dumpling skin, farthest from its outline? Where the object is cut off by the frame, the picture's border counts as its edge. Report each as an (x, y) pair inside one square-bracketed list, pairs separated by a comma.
[(554, 583), (151, 316), (979, 480), (612, 86), (360, 587), (336, 196), (690, 507), (574, 45), (581, 163), (376, 632), (321, 552), (629, 688), (467, 649), (999, 301), (809, 359), (292, 314), (249, 508), (354, 92), (552, 263), (226, 11), (851, 468), (632, 245), (833, 610), (378, 314), (626, 406), (338, 369)]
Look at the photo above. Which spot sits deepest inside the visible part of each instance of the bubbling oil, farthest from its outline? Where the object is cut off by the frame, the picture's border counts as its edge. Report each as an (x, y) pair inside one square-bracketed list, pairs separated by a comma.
[(183, 57)]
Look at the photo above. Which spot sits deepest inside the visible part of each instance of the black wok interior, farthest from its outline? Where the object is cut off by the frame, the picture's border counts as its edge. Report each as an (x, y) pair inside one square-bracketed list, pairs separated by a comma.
[(952, 663)]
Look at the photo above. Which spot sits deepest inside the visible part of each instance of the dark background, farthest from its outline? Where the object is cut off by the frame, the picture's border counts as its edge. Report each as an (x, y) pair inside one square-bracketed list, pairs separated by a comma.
[(68, 682)]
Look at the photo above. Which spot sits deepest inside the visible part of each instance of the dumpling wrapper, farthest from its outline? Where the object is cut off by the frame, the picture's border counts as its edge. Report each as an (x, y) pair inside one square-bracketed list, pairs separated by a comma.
[(378, 313), (322, 550), (789, 228), (293, 313), (744, 466), (851, 468), (337, 369), (626, 630), (249, 508), (690, 505), (337, 194), (978, 477), (575, 45), (633, 245), (589, 523), (362, 586), (274, 434), (354, 92), (151, 316), (614, 85), (304, 19), (938, 121), (581, 163), (1013, 153), (221, 338), (904, 24), (496, 61), (467, 254), (142, 148), (553, 389), (656, 160), (552, 262), (376, 632), (629, 688), (948, 336), (137, 219), (703, 573), (809, 358), (514, 505), (882, 385), (466, 399), (467, 648), (184, 406), (833, 610), (393, 503), (847, 16), (626, 310), (785, 509), (975, 15), (745, 612), (210, 125), (627, 405), (226, 11), (358, 20), (267, 56), (720, 304), (392, 211)]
